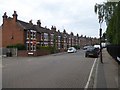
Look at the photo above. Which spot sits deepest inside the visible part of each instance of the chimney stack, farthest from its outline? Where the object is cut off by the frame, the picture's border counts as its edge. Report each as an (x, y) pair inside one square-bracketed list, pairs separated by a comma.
[(53, 28), (64, 31), (72, 34), (4, 17), (15, 16), (30, 22), (39, 23), (77, 35)]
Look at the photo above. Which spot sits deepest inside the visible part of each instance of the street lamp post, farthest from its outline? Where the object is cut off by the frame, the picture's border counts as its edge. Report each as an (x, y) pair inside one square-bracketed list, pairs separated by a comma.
[(101, 59), (101, 18), (99, 8)]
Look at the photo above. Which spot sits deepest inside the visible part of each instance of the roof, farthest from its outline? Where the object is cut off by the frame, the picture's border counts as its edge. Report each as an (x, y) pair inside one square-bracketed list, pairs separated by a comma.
[(25, 25), (42, 29), (37, 28)]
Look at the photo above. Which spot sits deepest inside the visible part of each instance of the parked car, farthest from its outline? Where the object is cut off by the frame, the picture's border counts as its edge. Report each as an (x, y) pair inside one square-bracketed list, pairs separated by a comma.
[(71, 50), (85, 47), (103, 45), (92, 51), (97, 46)]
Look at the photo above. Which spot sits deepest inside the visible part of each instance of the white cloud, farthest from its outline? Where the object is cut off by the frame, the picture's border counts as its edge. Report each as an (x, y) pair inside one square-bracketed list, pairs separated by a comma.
[(74, 15)]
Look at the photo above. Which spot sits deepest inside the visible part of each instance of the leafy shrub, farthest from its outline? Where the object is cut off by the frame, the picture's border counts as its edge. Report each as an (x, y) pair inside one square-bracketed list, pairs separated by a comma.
[(47, 48), (76, 47), (18, 46)]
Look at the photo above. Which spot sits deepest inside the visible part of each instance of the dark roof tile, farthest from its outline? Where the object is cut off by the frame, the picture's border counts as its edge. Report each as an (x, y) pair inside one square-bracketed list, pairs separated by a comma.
[(26, 25)]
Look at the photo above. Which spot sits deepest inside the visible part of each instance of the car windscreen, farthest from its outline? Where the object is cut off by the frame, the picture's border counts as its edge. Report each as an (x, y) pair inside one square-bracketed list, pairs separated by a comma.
[(90, 49), (69, 48)]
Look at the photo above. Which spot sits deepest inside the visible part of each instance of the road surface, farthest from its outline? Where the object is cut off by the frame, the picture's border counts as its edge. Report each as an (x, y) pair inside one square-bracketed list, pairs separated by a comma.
[(64, 70)]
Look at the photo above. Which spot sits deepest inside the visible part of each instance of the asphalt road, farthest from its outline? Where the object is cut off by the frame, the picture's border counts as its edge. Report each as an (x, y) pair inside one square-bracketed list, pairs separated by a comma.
[(64, 70)]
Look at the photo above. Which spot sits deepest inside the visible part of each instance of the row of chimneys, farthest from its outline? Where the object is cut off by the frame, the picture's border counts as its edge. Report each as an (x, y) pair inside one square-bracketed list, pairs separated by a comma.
[(38, 22), (15, 18)]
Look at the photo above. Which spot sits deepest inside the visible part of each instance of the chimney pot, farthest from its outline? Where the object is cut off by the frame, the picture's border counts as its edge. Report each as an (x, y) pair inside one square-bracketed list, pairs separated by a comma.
[(5, 15), (15, 16), (53, 28)]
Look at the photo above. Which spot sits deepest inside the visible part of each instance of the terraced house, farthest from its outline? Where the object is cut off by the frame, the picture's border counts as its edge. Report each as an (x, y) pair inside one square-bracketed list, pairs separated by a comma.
[(31, 35)]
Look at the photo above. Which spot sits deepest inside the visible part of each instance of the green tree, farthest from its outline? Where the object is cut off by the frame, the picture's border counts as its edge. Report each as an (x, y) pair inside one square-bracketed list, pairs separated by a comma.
[(105, 11), (18, 46), (110, 12), (113, 29)]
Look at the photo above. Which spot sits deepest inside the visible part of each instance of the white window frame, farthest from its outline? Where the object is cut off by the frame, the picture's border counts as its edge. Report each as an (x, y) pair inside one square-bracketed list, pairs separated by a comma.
[(32, 34), (51, 42), (59, 45), (32, 47), (45, 36), (52, 37), (45, 43), (42, 36), (59, 37)]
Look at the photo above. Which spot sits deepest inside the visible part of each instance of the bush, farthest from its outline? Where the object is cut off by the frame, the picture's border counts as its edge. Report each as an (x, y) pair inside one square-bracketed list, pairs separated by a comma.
[(76, 46), (18, 46), (47, 48)]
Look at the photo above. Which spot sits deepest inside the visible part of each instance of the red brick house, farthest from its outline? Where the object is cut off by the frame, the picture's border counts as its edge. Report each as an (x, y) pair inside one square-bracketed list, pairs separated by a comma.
[(15, 31), (58, 37), (0, 36), (12, 31)]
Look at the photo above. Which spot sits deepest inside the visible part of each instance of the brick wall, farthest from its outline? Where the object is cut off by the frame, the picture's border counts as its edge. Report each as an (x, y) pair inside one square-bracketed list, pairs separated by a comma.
[(12, 33), (24, 53), (0, 37)]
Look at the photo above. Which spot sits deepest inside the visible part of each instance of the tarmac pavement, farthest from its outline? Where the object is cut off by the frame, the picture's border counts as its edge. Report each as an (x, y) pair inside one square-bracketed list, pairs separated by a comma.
[(108, 73)]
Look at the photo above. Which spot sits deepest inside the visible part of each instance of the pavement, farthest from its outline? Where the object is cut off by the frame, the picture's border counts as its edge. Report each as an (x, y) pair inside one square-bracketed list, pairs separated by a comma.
[(107, 74)]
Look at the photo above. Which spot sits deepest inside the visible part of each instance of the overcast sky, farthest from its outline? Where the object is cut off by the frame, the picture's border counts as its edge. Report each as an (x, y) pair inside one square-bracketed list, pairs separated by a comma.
[(75, 16)]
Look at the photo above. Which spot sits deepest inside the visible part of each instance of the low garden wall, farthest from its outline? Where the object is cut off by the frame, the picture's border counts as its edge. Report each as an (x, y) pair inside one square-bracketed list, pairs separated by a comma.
[(25, 53), (114, 51)]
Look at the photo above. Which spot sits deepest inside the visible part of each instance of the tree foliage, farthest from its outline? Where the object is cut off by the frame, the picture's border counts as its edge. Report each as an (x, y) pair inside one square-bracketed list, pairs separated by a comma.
[(18, 46), (110, 12), (113, 29), (105, 11)]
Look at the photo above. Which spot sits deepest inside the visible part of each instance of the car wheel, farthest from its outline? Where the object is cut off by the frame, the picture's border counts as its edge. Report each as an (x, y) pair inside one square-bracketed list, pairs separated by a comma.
[(86, 55), (96, 56)]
